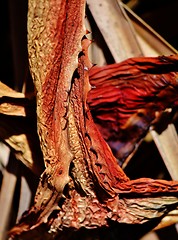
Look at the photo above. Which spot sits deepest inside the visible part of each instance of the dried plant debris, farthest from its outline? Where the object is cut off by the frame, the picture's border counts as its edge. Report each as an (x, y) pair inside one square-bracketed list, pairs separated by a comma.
[(83, 185), (18, 127), (126, 98)]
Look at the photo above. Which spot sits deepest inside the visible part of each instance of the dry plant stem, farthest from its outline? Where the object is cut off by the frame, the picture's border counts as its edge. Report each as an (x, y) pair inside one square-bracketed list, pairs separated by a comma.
[(25, 198), (6, 197), (170, 139), (115, 28), (151, 43), (150, 236), (11, 102), (49, 65), (170, 219), (6, 91), (53, 60)]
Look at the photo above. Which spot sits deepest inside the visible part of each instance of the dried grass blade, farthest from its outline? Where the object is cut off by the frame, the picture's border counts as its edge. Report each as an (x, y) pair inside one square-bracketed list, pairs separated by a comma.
[(6, 197), (144, 32), (167, 143), (116, 29)]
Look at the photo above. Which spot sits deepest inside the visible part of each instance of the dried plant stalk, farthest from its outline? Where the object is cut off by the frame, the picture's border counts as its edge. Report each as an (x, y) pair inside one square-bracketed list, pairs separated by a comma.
[(115, 28), (151, 43), (6, 198)]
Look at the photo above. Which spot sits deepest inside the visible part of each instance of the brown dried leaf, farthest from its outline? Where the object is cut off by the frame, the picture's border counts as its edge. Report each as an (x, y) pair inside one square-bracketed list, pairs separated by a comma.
[(11, 102)]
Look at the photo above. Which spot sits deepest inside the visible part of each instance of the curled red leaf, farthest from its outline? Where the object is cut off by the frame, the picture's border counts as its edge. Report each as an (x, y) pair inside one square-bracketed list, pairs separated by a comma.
[(127, 97)]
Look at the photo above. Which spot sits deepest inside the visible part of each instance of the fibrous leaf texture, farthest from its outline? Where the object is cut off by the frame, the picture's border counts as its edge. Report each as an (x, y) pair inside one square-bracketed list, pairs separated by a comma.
[(126, 98), (83, 185)]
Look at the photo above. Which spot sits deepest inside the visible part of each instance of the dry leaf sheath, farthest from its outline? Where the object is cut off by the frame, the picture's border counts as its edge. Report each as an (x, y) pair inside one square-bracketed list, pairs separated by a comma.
[(82, 185)]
